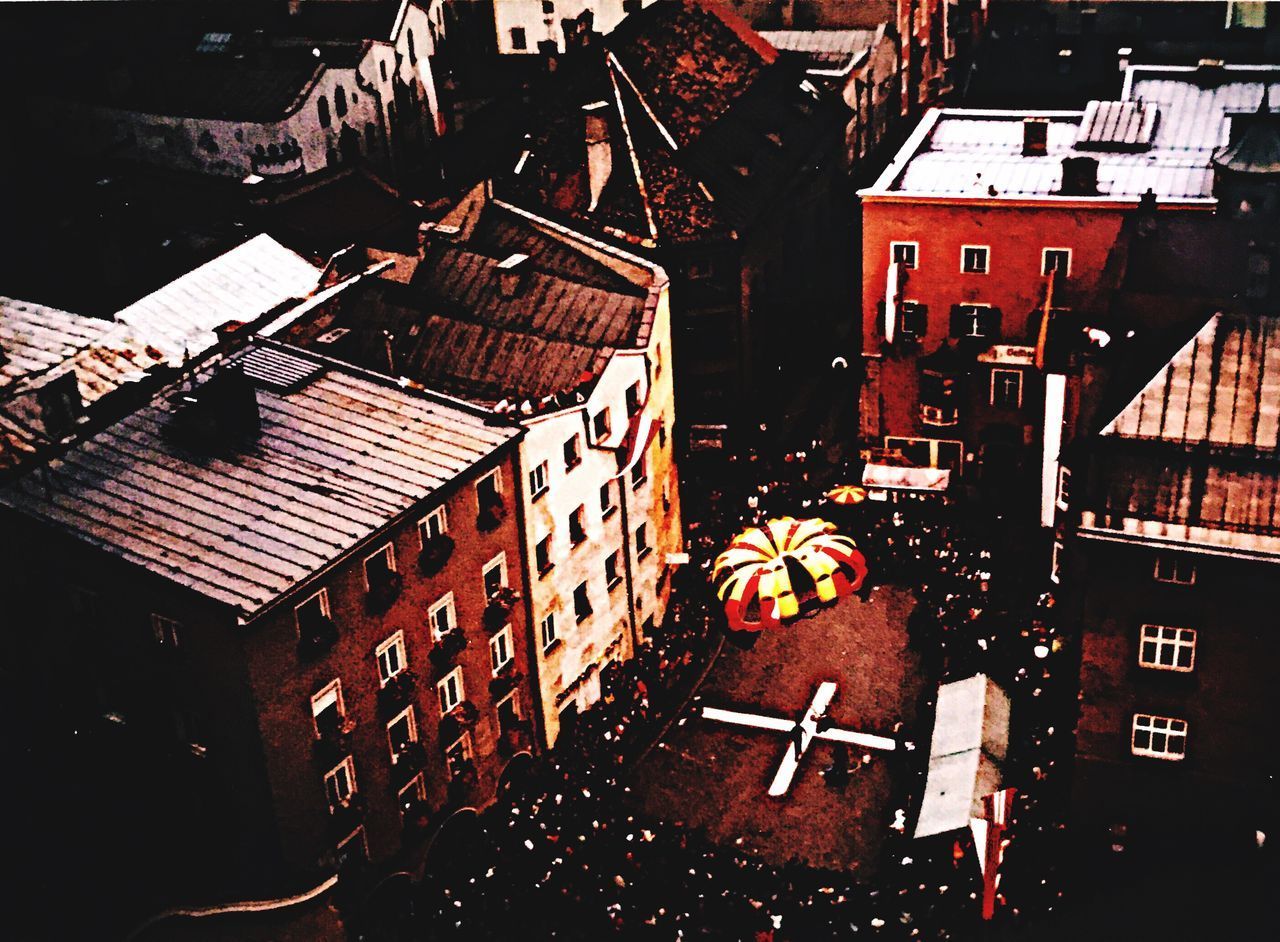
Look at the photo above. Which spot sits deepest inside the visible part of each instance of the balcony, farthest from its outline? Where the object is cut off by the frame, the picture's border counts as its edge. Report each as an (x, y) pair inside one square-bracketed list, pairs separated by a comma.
[(334, 742), (500, 605), (444, 653), (435, 554), (315, 639), (409, 761), (397, 693), (458, 721), (383, 593), (492, 512)]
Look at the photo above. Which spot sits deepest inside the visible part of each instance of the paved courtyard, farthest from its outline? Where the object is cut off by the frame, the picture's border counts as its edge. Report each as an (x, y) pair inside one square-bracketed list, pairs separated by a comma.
[(716, 776)]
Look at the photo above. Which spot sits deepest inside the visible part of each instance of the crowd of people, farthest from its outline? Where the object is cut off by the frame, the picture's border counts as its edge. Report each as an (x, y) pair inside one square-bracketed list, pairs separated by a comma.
[(567, 855)]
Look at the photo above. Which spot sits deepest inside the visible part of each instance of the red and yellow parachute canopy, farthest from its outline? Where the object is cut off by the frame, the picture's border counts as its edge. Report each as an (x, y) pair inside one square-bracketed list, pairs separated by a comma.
[(770, 574)]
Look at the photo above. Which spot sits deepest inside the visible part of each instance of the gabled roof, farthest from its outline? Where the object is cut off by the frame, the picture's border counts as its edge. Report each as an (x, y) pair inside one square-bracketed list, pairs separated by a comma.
[(1221, 389), (240, 285), (337, 458), (706, 128), (38, 346)]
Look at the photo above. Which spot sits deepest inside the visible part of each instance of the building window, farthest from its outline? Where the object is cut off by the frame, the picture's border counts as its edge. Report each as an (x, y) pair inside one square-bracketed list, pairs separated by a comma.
[(538, 481), (1176, 569), (975, 321), (380, 568), (928, 452), (640, 470), (542, 555), (500, 653), (382, 69), (434, 524), (327, 709), (548, 7), (459, 756), (442, 616), (905, 254), (313, 618), (391, 657), (340, 784), (642, 541), (322, 109), (413, 796), (607, 505), (165, 630), (508, 711), (1161, 737), (657, 360), (489, 489), (548, 631), (611, 575), (662, 432), (975, 259), (578, 525), (572, 453), (1167, 649), (412, 47), (518, 40), (340, 101), (402, 732), (1058, 260), (911, 319), (1055, 563), (1064, 487), (495, 575), (1247, 14), (600, 424), (1006, 389), (581, 603), (633, 399), (450, 690)]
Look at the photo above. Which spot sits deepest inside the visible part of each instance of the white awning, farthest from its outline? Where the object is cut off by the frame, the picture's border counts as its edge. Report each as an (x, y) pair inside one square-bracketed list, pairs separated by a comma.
[(906, 479)]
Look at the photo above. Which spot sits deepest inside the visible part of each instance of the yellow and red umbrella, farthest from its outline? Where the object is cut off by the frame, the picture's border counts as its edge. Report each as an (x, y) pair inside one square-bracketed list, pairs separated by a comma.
[(847, 494), (770, 573)]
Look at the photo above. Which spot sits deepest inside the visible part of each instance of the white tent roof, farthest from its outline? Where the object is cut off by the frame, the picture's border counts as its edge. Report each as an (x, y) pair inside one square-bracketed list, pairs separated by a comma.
[(909, 479)]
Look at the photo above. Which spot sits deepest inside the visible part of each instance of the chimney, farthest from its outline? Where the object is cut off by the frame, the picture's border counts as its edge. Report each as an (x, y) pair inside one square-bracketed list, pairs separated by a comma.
[(599, 150), (1035, 137), (217, 415), (1079, 176), (1123, 56), (510, 274)]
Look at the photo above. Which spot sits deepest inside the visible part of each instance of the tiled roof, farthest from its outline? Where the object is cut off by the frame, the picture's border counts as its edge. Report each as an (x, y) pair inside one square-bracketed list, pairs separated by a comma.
[(240, 285), (823, 49), (452, 328), (1194, 458), (706, 128), (41, 344), (1221, 389), (335, 460), (964, 152)]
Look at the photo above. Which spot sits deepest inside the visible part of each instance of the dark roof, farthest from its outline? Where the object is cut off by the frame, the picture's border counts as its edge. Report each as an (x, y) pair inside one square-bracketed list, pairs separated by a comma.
[(1257, 148), (352, 205), (337, 458), (707, 127), (451, 328)]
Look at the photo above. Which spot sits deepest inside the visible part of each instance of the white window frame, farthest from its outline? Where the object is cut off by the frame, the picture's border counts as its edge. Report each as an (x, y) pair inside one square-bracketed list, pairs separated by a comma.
[(1154, 634), (1063, 497), (500, 642), (442, 686), (331, 691), (548, 622), (915, 254), (468, 751), (538, 481), (998, 369), (933, 447), (902, 318), (1175, 559), (972, 309), (1055, 563), (496, 476), (499, 563), (1156, 726), (387, 550), (986, 268), (395, 641), (322, 595), (439, 518), (347, 765), (444, 604), (413, 731), (165, 630), (512, 697), (417, 785), (1044, 260)]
